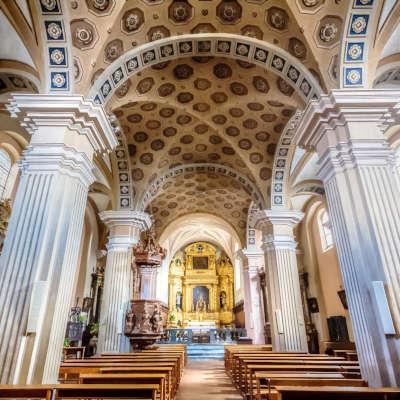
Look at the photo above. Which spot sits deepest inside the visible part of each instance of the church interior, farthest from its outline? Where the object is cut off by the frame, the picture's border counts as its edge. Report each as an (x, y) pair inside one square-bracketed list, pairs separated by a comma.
[(200, 199)]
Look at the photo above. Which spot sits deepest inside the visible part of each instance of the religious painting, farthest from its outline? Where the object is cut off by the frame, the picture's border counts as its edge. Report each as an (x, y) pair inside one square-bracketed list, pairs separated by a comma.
[(201, 299), (313, 305), (200, 262)]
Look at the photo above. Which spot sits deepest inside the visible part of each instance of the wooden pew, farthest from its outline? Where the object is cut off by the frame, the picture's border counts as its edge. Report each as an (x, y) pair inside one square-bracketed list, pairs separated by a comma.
[(99, 391), (160, 379), (26, 391), (173, 383), (142, 391), (336, 393), (272, 380)]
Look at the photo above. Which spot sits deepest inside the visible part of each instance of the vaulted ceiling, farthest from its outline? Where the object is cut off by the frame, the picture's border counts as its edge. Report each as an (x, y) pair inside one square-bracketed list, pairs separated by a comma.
[(200, 132)]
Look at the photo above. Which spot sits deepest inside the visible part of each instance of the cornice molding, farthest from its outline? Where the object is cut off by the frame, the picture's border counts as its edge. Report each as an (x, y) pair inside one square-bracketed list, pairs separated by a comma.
[(119, 218), (341, 107), (35, 111)]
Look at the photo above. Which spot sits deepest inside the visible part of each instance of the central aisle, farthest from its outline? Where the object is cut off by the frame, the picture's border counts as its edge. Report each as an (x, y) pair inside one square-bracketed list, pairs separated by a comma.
[(206, 380)]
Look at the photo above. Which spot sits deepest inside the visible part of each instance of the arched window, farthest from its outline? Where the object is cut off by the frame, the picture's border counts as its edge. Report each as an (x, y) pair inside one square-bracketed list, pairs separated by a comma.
[(325, 230)]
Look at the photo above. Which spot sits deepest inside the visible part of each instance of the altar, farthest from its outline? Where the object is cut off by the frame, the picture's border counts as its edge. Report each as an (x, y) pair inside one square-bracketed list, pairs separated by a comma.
[(201, 325), (200, 288)]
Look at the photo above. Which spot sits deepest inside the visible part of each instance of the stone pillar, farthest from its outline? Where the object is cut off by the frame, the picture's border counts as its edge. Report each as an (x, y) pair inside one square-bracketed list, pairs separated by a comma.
[(39, 263), (362, 189), (284, 297), (252, 263), (125, 228)]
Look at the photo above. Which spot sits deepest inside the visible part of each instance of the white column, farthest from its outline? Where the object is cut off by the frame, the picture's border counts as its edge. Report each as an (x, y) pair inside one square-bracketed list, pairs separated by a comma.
[(125, 228), (362, 189), (253, 300), (284, 296), (39, 262)]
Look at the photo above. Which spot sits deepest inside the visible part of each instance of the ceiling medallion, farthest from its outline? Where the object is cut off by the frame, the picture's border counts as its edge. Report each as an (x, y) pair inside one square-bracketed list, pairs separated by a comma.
[(252, 31), (113, 50), (219, 97), (132, 20), (284, 87), (100, 6), (169, 131), (157, 33), (222, 71), (83, 34), (183, 71), (202, 84), (261, 84), (145, 85), (297, 48), (180, 11), (229, 11), (166, 89), (277, 18), (238, 88), (328, 32)]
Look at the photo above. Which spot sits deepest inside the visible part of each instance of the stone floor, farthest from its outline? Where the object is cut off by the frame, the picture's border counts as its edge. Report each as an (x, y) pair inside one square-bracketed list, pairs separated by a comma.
[(206, 380)]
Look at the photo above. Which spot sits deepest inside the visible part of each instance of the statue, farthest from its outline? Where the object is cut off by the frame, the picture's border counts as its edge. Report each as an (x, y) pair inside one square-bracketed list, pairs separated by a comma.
[(130, 322), (156, 320), (178, 300), (222, 300), (145, 325), (201, 304)]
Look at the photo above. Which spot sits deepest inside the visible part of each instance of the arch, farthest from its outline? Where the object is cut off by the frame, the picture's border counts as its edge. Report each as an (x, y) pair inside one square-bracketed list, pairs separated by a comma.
[(282, 162), (357, 41), (56, 38), (121, 161), (243, 48), (153, 189), (190, 228)]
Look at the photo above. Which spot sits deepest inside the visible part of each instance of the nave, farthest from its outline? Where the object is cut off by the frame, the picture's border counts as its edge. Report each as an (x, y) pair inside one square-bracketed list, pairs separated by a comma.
[(177, 176)]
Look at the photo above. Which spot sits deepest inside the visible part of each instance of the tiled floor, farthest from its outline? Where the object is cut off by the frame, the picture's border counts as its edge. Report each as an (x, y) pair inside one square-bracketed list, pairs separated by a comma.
[(206, 380)]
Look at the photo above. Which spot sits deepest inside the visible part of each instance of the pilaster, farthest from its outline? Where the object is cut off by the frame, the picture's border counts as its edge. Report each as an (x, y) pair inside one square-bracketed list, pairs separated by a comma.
[(284, 296), (358, 170), (125, 228), (39, 262), (253, 262)]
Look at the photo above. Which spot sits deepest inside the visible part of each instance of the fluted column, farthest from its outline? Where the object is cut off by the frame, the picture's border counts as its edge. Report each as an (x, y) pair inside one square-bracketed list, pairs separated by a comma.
[(362, 189), (39, 262), (252, 261), (286, 311), (125, 228)]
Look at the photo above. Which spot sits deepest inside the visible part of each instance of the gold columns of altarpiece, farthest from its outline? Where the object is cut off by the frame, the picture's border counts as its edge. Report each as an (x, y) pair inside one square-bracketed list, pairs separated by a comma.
[(200, 286)]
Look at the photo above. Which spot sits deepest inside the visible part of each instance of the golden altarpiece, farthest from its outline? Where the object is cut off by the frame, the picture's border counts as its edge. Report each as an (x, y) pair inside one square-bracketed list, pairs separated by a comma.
[(200, 288)]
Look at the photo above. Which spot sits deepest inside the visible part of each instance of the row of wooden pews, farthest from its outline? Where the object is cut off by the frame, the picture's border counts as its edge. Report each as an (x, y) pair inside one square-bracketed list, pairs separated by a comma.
[(260, 373), (146, 375)]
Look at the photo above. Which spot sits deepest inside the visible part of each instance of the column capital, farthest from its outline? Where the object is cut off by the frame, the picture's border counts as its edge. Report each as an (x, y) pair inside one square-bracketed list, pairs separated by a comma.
[(125, 226), (44, 112), (377, 107), (346, 129), (268, 220)]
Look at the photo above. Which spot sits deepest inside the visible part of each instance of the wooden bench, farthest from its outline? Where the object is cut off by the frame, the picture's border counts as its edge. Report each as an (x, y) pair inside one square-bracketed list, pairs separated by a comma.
[(336, 393), (99, 391), (131, 378), (266, 382), (26, 391)]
